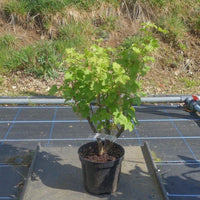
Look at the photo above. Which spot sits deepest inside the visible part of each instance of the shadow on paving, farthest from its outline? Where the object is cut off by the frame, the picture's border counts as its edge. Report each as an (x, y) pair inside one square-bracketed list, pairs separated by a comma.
[(164, 111), (63, 181), (183, 180), (8, 153), (195, 116), (15, 163)]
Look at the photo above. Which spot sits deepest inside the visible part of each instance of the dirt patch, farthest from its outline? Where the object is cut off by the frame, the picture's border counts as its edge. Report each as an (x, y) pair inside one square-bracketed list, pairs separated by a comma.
[(25, 37)]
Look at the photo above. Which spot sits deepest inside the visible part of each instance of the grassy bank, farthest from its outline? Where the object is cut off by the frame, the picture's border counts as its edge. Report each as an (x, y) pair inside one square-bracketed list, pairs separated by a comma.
[(59, 24)]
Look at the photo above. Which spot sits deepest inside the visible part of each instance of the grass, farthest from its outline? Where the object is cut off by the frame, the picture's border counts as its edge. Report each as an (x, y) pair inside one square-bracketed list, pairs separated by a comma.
[(74, 34), (43, 7), (190, 82), (7, 41), (179, 17), (44, 59), (175, 26), (40, 59)]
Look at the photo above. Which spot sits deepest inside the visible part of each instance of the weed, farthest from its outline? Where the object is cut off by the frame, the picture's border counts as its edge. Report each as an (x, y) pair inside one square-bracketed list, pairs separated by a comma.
[(155, 158), (41, 59), (88, 4), (175, 26), (77, 35), (33, 7), (195, 25), (44, 59), (182, 46), (157, 2), (43, 7), (189, 82), (14, 6), (7, 41), (106, 23)]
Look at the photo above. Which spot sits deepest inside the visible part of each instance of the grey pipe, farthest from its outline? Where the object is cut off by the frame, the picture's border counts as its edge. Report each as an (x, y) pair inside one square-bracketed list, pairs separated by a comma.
[(51, 100), (164, 99), (25, 101)]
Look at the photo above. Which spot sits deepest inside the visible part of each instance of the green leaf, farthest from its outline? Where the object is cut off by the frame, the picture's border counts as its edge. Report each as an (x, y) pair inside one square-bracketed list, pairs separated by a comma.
[(136, 101), (68, 75), (116, 67), (53, 90), (148, 58), (136, 49), (121, 119)]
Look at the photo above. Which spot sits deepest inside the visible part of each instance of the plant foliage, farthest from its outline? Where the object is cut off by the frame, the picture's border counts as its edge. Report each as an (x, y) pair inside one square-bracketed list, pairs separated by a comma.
[(108, 78)]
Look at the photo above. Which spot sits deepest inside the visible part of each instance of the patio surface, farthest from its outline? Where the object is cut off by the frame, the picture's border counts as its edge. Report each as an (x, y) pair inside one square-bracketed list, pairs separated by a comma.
[(172, 134)]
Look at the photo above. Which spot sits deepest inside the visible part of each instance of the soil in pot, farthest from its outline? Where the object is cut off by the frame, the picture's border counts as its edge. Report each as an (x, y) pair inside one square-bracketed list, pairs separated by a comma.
[(100, 173)]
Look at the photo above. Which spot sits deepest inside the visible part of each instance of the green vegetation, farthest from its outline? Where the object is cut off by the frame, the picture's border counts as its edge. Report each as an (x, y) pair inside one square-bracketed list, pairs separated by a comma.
[(104, 75), (44, 7), (7, 41), (175, 26), (41, 59), (81, 28), (190, 82), (177, 16), (74, 35)]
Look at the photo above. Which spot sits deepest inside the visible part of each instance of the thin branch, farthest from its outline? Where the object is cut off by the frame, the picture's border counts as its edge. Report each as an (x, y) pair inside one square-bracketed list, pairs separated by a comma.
[(120, 131), (92, 125), (91, 108), (100, 146), (107, 127)]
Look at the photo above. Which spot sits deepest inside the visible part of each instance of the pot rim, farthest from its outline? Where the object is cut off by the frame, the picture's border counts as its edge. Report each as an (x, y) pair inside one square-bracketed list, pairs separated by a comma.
[(93, 162)]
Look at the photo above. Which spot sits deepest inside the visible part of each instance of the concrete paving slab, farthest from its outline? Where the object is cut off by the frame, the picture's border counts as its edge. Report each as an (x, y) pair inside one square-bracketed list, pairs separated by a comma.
[(57, 175), (181, 179), (12, 180)]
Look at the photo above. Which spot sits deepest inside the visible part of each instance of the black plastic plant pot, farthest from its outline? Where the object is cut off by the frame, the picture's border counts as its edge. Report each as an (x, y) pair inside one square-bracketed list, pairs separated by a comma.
[(100, 177)]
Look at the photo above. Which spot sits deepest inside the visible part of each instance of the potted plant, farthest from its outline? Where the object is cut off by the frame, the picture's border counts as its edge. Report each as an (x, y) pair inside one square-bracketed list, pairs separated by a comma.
[(103, 84)]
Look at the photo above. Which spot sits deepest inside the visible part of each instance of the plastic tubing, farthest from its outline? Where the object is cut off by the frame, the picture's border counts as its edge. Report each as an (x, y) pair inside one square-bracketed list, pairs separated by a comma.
[(53, 100)]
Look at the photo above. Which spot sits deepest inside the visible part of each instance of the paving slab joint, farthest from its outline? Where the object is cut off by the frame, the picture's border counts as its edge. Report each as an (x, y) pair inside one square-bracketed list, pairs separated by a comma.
[(22, 196), (153, 169)]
